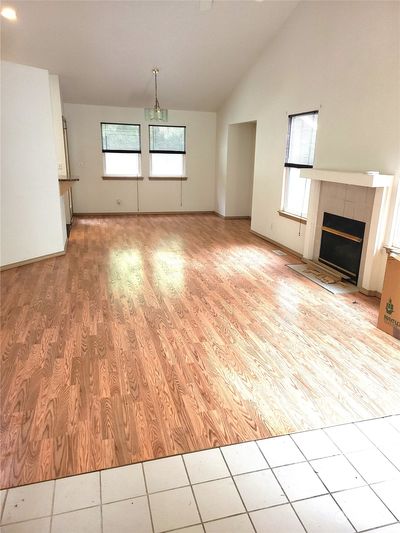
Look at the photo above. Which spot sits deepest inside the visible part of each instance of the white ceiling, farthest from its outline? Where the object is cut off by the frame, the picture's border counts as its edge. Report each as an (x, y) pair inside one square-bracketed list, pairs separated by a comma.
[(104, 51)]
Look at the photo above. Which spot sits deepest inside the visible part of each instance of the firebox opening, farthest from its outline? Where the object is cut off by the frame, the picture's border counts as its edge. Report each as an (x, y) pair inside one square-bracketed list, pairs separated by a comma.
[(341, 244)]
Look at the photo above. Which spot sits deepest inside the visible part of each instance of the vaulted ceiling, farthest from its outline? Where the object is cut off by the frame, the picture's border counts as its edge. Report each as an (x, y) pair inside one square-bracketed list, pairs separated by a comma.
[(104, 51)]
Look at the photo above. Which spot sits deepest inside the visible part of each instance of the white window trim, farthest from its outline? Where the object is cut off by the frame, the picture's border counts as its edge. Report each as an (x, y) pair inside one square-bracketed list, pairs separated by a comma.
[(285, 186), (285, 182)]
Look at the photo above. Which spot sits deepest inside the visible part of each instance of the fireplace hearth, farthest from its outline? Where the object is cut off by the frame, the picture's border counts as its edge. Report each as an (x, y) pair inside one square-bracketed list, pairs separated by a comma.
[(341, 244)]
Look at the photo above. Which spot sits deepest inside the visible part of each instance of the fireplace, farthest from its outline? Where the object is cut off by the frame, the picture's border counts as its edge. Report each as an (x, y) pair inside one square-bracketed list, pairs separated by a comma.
[(341, 244), (361, 197)]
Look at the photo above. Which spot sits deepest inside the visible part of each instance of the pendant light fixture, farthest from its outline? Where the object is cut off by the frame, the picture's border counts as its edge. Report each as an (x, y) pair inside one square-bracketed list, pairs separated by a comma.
[(155, 112)]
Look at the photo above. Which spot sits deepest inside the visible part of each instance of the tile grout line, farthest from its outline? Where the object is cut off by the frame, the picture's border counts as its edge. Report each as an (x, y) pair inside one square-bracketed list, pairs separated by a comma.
[(52, 507), (229, 516), (343, 490), (201, 483), (57, 514), (377, 495), (238, 491), (376, 528), (362, 477), (342, 453), (194, 496), (3, 506), (316, 473), (148, 498), (384, 417), (204, 482), (283, 490), (101, 505), (183, 528), (359, 473), (150, 493), (206, 521), (379, 449), (395, 427)]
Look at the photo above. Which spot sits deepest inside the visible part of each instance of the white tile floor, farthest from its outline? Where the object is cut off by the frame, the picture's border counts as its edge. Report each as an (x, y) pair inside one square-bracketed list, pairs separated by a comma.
[(335, 480)]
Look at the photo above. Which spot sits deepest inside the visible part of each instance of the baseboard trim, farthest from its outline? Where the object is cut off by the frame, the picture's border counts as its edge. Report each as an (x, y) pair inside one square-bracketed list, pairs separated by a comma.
[(33, 260), (281, 246), (233, 217), (367, 292), (142, 213)]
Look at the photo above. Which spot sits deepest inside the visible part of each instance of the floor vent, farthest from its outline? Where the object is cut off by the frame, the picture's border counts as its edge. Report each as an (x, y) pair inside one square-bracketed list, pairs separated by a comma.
[(279, 252)]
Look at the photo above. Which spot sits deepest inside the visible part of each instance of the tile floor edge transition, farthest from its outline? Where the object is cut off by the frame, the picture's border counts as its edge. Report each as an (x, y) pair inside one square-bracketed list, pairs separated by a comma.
[(204, 449)]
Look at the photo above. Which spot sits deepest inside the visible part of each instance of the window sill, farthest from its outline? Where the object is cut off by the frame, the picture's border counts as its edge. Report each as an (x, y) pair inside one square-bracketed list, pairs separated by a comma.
[(290, 216), (123, 178), (392, 250), (168, 178)]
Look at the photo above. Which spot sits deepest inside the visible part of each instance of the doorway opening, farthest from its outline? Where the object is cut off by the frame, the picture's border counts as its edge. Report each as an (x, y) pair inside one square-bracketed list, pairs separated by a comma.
[(240, 169)]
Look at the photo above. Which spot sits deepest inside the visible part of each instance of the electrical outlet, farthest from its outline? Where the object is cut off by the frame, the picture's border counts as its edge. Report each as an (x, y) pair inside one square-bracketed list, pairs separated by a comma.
[(118, 202), (60, 166)]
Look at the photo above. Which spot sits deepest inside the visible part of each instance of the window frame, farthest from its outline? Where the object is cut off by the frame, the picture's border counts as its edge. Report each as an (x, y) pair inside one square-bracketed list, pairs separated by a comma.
[(290, 117), (287, 166), (173, 152), (108, 151), (105, 150), (302, 217), (168, 151)]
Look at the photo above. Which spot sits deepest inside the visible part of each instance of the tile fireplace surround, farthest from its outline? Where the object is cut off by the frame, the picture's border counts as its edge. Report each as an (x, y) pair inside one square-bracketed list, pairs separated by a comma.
[(366, 196)]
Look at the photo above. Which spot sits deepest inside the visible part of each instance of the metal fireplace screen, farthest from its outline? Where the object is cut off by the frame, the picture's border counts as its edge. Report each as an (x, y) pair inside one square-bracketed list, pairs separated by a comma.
[(341, 244)]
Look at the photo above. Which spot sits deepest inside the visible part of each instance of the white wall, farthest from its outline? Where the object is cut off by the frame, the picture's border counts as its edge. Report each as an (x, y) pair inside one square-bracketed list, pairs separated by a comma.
[(92, 194), (56, 108), (31, 219), (57, 114), (240, 168), (341, 58)]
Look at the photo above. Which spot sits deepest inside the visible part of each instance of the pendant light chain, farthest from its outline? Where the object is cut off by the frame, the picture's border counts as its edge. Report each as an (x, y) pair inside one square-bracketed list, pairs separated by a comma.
[(155, 72), (156, 113)]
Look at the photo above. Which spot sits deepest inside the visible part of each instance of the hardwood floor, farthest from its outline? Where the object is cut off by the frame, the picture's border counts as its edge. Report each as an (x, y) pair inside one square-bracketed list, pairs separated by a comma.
[(159, 335)]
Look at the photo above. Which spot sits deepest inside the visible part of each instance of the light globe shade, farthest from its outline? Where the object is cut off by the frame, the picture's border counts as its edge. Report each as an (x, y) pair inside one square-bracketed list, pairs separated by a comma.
[(152, 113), (9, 13)]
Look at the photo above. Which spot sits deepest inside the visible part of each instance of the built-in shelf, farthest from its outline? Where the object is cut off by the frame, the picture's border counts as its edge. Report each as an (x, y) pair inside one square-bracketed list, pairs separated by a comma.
[(66, 183), (362, 179)]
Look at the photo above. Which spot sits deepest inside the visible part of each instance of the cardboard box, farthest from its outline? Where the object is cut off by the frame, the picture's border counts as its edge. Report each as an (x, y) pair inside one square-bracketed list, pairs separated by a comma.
[(389, 312)]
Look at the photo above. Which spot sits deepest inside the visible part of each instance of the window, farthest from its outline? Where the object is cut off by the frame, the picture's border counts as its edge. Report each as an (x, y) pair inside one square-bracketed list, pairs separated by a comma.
[(167, 151), (121, 149), (299, 154)]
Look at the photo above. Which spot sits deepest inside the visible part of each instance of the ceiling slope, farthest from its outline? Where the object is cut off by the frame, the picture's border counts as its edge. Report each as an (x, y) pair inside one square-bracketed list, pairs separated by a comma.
[(104, 51)]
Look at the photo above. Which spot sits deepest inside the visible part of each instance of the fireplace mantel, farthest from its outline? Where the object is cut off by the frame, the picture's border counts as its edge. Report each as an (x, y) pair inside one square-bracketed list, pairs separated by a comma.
[(362, 179)]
